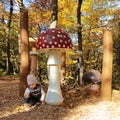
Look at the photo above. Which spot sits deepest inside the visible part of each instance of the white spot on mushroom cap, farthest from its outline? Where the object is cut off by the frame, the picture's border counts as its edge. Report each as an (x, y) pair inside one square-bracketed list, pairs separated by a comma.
[(55, 43), (53, 30), (64, 46), (59, 45), (64, 36), (45, 41), (53, 46), (50, 42), (65, 42), (59, 35), (47, 46), (61, 41), (43, 45), (39, 43), (53, 37), (59, 32)]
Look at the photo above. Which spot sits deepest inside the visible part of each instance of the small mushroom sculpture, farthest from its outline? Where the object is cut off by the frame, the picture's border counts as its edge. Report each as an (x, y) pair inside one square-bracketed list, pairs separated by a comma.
[(54, 41), (92, 76)]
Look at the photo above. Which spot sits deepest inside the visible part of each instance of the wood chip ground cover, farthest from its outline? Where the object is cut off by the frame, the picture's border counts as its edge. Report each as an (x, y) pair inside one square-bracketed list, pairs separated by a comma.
[(76, 105)]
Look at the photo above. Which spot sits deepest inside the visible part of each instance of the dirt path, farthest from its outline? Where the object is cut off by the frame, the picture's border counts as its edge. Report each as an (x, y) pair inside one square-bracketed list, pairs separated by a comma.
[(76, 105)]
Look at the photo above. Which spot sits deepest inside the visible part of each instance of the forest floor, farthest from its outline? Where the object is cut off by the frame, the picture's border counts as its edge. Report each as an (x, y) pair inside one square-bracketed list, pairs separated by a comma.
[(76, 105)]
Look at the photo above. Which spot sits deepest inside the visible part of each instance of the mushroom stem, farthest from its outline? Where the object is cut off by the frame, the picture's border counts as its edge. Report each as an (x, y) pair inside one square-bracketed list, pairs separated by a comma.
[(54, 94)]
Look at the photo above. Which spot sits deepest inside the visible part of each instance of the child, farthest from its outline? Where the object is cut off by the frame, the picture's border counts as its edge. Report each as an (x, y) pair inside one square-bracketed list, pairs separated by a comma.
[(34, 93)]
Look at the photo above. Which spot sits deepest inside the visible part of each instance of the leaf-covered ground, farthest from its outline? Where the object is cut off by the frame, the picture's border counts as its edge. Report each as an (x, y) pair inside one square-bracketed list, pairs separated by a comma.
[(76, 105)]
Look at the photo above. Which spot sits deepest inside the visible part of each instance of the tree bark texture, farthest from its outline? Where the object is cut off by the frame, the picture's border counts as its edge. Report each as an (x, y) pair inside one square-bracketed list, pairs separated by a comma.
[(9, 64), (24, 50), (80, 69), (54, 5)]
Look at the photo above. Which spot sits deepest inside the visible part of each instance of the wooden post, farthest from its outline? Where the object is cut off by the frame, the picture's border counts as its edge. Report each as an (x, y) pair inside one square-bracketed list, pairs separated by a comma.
[(106, 90), (33, 55)]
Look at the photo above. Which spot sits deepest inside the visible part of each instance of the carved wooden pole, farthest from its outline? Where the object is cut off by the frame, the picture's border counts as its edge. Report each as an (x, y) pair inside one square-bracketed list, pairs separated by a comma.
[(33, 56), (106, 90)]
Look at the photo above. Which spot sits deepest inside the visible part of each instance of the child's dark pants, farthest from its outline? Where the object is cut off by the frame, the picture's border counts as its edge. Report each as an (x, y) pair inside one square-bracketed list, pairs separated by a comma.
[(32, 100)]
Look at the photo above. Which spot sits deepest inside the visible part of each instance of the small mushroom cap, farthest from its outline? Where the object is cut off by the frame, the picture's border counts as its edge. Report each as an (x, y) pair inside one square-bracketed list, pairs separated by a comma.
[(92, 76), (53, 39)]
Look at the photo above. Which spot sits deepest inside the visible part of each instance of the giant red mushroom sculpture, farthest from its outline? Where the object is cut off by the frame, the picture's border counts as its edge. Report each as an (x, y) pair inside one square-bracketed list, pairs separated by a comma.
[(54, 41)]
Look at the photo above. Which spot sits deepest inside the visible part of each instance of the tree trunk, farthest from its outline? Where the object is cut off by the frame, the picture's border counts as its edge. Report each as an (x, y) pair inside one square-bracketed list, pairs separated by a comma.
[(24, 47), (80, 59), (106, 92), (9, 64), (24, 50), (54, 13)]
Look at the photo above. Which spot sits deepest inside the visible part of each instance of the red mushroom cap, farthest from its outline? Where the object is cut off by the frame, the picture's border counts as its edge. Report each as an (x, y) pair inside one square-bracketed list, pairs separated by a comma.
[(53, 39)]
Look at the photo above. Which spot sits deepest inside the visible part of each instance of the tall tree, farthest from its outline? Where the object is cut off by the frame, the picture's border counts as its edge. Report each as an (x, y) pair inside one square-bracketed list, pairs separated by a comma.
[(54, 18), (9, 65), (80, 59), (24, 47)]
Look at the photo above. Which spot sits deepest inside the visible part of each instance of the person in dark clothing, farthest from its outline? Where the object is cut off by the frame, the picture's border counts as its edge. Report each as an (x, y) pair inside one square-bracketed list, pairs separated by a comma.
[(34, 93)]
